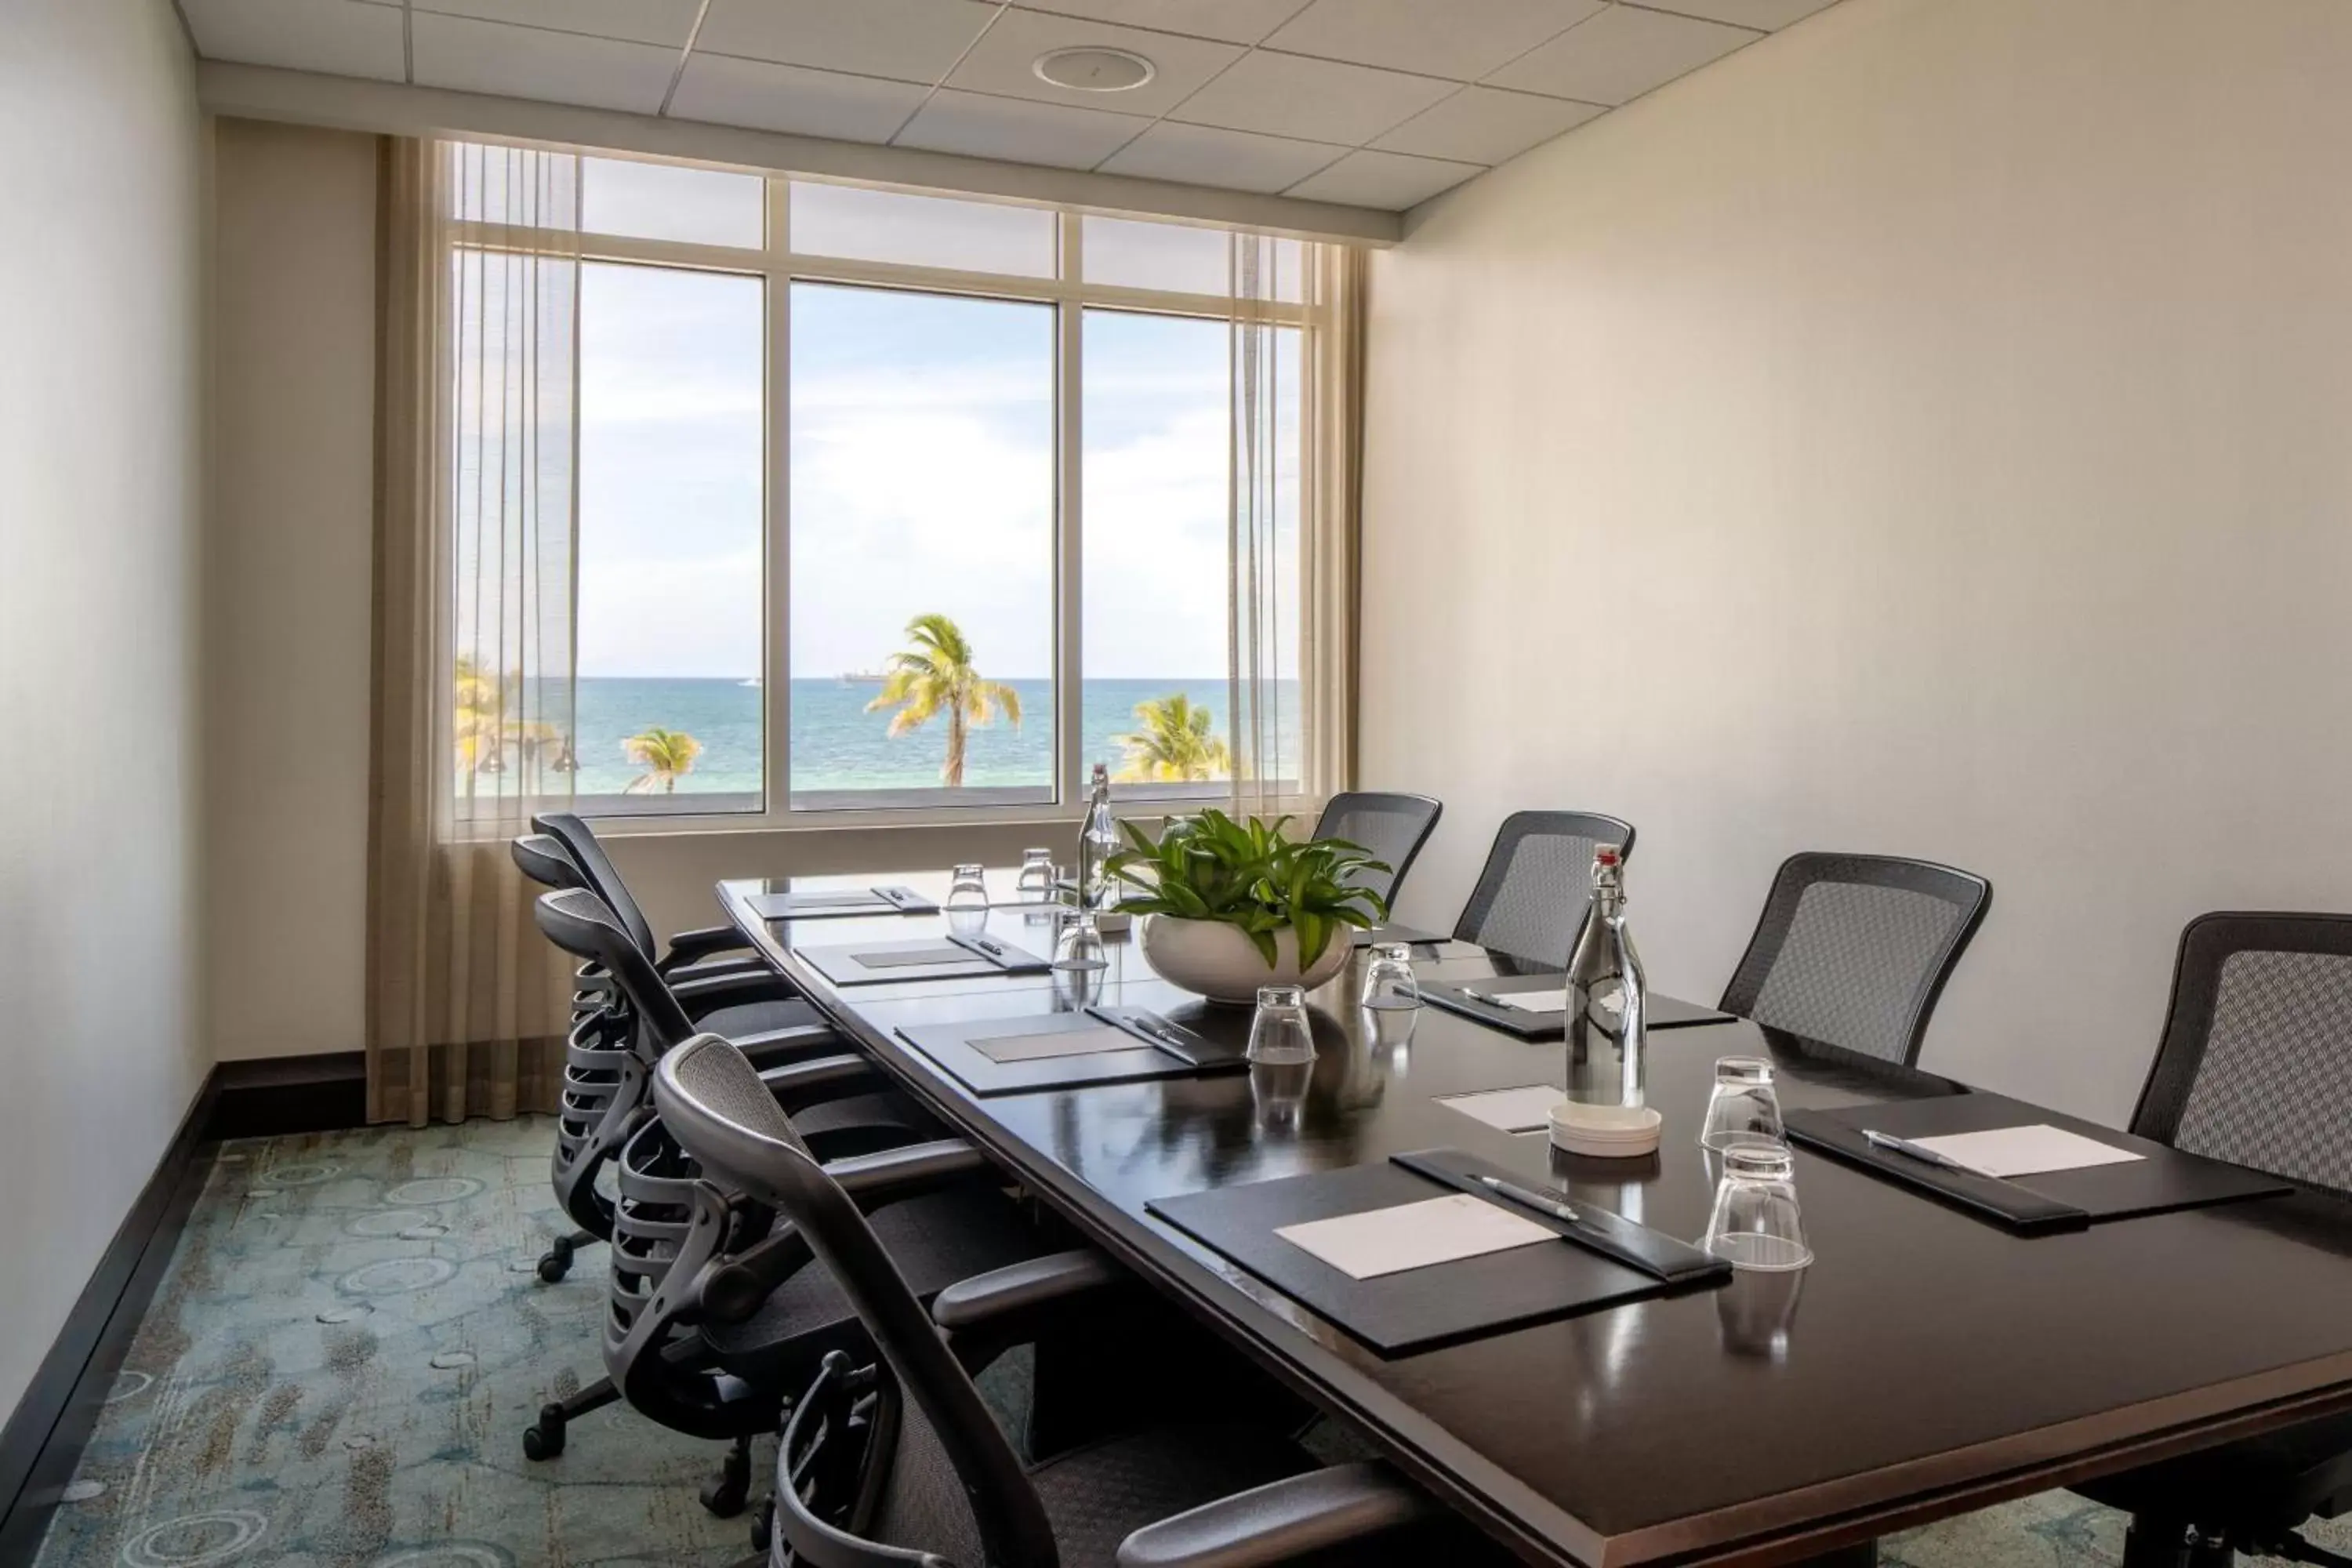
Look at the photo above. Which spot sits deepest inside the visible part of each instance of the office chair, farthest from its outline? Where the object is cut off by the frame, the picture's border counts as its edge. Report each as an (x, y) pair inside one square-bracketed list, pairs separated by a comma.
[(1392, 826), (2255, 1067), (606, 1104), (1532, 896), (900, 1464), (1852, 950)]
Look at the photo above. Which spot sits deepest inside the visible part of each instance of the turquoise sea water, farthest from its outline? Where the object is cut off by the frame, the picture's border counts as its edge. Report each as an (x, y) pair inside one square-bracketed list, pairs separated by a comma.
[(838, 745)]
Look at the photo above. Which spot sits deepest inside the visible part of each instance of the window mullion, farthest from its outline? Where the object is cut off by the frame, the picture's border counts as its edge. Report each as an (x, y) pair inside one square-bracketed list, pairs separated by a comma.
[(1070, 574), (776, 661)]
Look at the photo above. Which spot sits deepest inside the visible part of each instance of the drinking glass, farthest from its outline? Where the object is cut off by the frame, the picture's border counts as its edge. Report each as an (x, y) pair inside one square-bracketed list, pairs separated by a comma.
[(1280, 1032), (1035, 883), (1387, 979), (1744, 1107), (1080, 945), (1757, 1223), (969, 890)]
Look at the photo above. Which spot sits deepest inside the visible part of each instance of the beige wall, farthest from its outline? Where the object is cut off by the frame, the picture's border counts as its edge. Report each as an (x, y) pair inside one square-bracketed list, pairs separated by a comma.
[(288, 542), (102, 171), (1923, 432)]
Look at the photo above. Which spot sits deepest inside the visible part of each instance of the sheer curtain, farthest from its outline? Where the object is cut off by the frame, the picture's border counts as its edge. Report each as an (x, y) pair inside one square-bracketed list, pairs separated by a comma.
[(1298, 411), (475, 525)]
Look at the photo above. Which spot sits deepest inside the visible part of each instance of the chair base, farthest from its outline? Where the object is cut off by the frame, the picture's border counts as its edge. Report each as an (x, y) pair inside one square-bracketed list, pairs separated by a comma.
[(556, 1261), (545, 1438), (727, 1493)]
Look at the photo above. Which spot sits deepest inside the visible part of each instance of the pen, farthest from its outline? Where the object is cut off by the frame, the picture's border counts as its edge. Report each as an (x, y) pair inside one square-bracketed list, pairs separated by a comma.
[(1525, 1199), (1482, 997), (1920, 1152)]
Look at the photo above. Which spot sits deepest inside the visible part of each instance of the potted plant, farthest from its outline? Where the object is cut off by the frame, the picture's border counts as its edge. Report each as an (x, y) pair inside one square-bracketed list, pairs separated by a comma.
[(1230, 906)]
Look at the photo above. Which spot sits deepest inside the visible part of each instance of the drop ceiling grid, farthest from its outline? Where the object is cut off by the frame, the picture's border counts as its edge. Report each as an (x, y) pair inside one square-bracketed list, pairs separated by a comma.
[(1362, 156)]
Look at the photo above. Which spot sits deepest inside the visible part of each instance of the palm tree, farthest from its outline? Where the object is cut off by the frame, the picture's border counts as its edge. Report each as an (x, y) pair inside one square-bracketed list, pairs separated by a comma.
[(666, 755), (1174, 743), (485, 722), (936, 676)]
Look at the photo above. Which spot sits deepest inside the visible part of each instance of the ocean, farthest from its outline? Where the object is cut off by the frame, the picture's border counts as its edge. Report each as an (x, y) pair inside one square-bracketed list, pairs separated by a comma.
[(838, 745)]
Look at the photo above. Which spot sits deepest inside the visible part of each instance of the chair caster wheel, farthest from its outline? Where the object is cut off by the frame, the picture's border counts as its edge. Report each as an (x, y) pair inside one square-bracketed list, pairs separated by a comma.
[(726, 1495), (544, 1441), (763, 1527), (556, 1262)]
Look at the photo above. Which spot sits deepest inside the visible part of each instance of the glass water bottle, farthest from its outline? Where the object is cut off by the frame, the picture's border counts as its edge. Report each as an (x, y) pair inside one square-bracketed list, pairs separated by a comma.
[(1606, 997), (1097, 842)]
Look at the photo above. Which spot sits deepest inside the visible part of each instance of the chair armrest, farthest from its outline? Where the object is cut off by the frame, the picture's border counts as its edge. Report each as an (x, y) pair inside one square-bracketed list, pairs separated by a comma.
[(1022, 1290), (888, 1176), (703, 992), (688, 946), (1275, 1523), (801, 1079), (788, 1047)]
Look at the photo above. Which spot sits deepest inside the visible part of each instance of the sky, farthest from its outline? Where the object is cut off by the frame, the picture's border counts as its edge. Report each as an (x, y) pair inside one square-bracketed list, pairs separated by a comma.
[(922, 478)]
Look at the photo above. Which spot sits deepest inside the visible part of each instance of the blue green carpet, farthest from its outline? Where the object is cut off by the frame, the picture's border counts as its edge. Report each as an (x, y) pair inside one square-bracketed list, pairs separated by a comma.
[(339, 1366)]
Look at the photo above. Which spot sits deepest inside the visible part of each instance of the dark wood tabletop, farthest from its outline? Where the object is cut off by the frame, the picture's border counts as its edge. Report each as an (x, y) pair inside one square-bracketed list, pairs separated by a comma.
[(1927, 1363)]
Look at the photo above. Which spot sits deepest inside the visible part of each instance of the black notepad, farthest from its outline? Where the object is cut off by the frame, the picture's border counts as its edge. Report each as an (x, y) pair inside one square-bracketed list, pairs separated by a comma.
[(1422, 1307), (835, 903), (2163, 1180), (924, 958), (1067, 1051), (1464, 997)]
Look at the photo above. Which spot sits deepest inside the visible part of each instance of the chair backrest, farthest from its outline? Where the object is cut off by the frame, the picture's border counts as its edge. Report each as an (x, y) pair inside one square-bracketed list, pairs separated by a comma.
[(602, 878), (583, 925), (1537, 887), (1392, 826), (1852, 950), (953, 1487), (2256, 1063), (542, 857)]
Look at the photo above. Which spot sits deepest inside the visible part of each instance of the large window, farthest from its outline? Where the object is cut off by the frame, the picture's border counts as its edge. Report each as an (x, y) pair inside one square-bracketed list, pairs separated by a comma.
[(897, 503)]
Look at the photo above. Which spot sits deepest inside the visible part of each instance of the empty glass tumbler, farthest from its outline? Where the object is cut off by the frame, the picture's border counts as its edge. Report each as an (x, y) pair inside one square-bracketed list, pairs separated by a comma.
[(1035, 883), (1757, 1223), (1744, 1107), (1080, 945), (1387, 979), (1280, 1032), (969, 890)]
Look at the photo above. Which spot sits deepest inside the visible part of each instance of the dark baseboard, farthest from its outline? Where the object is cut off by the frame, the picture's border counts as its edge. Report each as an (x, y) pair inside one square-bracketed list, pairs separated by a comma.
[(43, 1440), (272, 1096)]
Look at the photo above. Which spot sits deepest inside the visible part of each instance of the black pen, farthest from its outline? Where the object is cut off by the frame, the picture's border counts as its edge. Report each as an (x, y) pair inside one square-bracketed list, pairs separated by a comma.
[(1919, 1152), (1532, 1200)]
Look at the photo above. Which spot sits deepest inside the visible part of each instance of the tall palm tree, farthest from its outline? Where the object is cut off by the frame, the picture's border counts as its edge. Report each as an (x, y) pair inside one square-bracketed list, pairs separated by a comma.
[(1174, 743), (936, 676), (485, 721), (666, 755)]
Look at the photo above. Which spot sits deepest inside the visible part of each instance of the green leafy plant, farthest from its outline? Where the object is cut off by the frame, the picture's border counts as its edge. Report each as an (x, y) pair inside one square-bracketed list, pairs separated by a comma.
[(1249, 875)]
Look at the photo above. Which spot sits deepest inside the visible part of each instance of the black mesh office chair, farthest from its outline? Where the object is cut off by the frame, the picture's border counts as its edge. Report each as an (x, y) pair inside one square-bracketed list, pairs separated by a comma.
[(1392, 826), (2255, 1067), (606, 1106), (1531, 899), (901, 1464), (1852, 950)]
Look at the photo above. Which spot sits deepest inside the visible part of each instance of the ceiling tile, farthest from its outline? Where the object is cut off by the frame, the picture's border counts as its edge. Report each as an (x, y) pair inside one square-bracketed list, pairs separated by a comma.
[(1768, 14), (911, 40), (334, 35), (1235, 160), (1013, 128), (1234, 21), (668, 22), (792, 98), (1314, 100), (1620, 54), (1460, 38), (1001, 63), (1386, 180), (1484, 125), (530, 62)]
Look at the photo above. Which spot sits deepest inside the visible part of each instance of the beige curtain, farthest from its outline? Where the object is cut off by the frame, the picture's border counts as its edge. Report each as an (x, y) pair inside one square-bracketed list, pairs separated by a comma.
[(1296, 520), (474, 523)]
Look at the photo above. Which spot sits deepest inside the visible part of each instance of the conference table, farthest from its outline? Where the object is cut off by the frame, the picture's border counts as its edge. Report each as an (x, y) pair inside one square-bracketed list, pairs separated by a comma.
[(1927, 1363)]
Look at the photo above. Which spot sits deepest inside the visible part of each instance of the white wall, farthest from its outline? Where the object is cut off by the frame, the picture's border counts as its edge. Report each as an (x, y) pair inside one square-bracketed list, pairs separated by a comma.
[(289, 556), (1924, 432), (101, 492)]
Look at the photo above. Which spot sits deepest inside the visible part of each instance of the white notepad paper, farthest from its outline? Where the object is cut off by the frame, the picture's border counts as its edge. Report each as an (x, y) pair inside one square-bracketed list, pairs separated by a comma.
[(1512, 1109), (1006, 1048), (1551, 1001), (2026, 1151), (1414, 1236)]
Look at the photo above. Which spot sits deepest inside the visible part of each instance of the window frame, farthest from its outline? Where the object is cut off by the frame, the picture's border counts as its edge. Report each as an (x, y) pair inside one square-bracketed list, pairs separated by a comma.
[(778, 267)]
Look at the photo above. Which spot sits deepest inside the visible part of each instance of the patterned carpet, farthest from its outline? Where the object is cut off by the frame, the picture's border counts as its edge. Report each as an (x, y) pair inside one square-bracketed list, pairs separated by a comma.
[(340, 1364)]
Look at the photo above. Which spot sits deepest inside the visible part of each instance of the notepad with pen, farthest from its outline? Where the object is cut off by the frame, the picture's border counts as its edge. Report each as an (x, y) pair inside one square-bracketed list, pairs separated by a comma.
[(836, 903), (1069, 1049), (2029, 1170), (1534, 1006), (951, 957)]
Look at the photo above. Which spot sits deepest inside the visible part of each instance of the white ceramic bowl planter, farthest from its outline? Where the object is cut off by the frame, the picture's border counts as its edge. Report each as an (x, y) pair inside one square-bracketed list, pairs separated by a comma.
[(1212, 959)]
